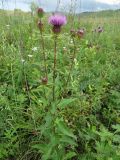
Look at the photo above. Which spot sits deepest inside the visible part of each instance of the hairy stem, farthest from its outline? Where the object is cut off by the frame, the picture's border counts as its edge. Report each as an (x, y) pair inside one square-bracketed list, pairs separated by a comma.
[(44, 57), (54, 67), (43, 50)]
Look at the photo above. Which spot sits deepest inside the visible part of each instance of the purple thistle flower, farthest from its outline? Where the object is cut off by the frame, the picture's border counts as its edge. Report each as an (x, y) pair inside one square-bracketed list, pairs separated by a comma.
[(57, 21)]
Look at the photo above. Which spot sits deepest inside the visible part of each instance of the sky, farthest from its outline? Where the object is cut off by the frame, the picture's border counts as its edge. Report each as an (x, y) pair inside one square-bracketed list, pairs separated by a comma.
[(50, 5)]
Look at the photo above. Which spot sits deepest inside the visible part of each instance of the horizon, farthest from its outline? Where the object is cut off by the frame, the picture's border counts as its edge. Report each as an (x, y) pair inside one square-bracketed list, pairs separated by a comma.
[(80, 5)]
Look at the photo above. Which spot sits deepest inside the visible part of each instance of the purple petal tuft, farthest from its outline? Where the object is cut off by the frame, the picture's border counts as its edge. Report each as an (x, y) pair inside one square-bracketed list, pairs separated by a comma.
[(57, 20)]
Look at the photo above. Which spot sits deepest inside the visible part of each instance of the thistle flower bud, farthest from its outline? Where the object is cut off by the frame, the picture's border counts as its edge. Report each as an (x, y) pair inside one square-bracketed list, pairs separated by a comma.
[(100, 29), (40, 12), (80, 33), (40, 25), (44, 80)]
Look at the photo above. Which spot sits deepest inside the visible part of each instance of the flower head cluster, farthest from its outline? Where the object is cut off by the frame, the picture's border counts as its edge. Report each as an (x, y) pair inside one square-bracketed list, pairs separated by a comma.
[(57, 21)]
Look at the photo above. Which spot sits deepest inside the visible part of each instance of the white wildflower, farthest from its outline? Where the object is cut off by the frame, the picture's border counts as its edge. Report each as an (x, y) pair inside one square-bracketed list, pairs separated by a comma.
[(30, 56), (64, 48), (7, 25), (22, 60), (34, 49)]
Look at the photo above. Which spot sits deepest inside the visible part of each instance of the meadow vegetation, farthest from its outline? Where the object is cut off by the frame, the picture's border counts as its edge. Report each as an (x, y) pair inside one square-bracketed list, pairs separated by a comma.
[(82, 122)]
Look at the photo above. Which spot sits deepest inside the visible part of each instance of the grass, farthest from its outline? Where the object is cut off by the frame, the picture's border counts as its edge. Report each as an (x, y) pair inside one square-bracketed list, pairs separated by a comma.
[(83, 122)]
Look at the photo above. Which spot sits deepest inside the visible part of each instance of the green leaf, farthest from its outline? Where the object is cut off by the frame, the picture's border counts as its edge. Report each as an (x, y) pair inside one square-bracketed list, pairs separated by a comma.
[(64, 129), (69, 155), (44, 149), (68, 140), (65, 102), (47, 155), (117, 127), (40, 147)]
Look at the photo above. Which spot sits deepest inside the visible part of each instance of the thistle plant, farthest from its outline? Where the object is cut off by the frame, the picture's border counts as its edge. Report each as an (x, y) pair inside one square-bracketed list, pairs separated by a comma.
[(57, 21), (40, 12)]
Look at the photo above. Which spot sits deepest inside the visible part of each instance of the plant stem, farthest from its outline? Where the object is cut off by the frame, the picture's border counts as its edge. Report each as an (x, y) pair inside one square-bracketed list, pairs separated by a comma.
[(44, 56), (54, 67), (26, 85), (43, 50)]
